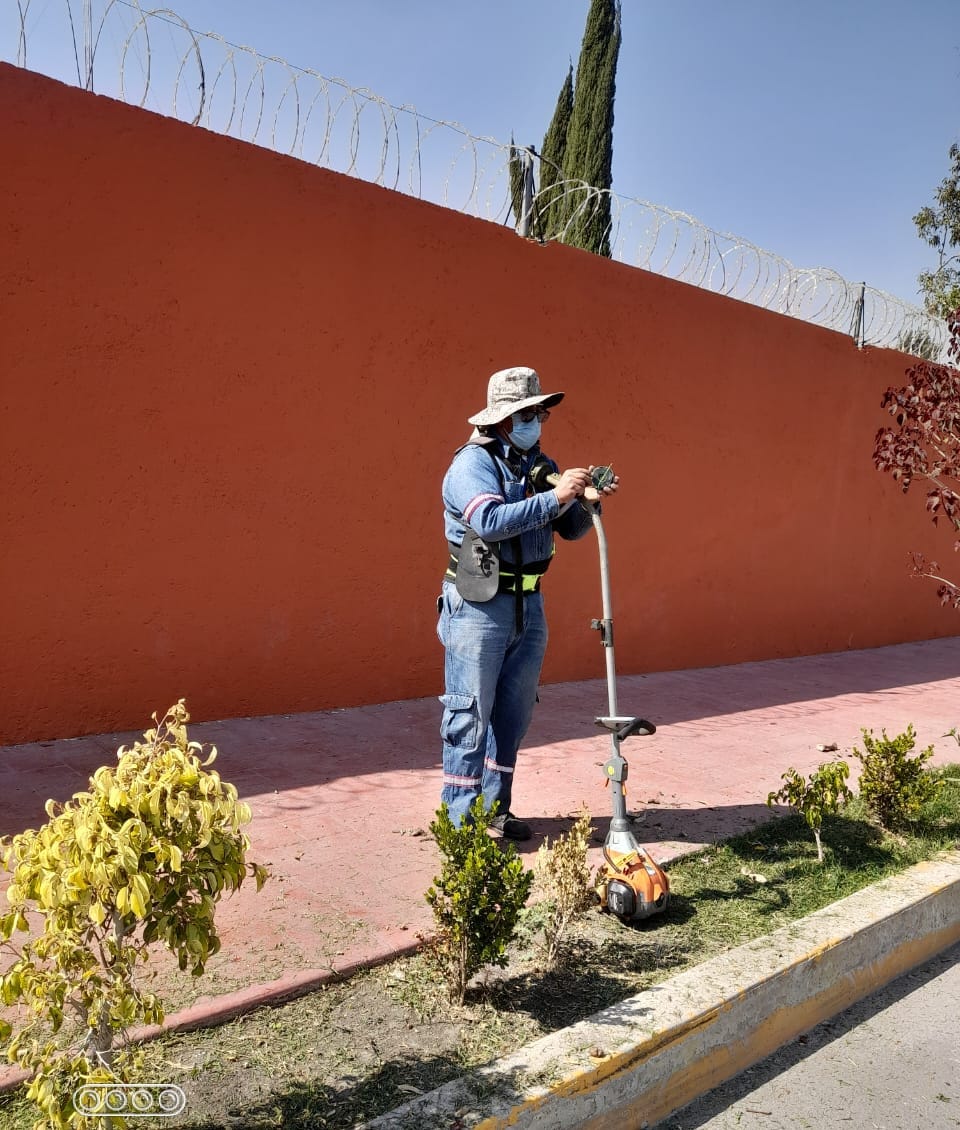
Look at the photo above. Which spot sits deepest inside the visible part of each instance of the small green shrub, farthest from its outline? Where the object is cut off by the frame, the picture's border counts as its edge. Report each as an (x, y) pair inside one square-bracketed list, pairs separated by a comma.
[(893, 785), (476, 899), (563, 875), (140, 858), (822, 794)]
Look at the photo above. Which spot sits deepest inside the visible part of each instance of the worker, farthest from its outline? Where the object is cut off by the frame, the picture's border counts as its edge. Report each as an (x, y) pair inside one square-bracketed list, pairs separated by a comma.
[(499, 530)]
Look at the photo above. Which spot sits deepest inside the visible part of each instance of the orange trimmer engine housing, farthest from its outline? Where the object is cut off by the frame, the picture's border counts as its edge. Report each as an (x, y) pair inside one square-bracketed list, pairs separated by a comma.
[(632, 885)]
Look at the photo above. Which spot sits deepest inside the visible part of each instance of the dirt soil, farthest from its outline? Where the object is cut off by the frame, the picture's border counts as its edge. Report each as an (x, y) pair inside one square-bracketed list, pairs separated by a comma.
[(348, 1052)]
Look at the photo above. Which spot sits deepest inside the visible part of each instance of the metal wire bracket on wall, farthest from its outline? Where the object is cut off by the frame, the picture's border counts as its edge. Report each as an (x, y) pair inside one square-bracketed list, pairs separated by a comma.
[(153, 59), (856, 329)]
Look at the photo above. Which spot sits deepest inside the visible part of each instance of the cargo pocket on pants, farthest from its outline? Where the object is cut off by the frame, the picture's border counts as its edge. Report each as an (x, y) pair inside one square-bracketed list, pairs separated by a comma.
[(461, 721)]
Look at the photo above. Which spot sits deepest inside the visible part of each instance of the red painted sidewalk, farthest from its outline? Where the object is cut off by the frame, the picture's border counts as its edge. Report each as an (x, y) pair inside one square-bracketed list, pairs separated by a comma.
[(342, 799)]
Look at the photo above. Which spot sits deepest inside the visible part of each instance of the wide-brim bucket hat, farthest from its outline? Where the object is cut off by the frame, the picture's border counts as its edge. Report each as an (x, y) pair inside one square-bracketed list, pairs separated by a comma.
[(513, 390)]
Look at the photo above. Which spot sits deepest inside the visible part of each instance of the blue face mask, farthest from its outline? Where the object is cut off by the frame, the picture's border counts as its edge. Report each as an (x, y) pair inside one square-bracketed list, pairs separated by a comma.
[(524, 435)]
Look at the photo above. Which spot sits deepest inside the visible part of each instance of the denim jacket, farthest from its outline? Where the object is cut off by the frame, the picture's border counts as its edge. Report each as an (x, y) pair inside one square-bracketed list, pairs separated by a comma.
[(474, 496)]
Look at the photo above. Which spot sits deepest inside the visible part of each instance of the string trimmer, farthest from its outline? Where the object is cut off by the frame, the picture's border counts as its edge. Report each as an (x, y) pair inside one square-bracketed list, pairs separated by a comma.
[(630, 884)]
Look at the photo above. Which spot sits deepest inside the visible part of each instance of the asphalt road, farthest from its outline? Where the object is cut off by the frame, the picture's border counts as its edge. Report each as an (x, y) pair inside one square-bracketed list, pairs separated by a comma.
[(891, 1062)]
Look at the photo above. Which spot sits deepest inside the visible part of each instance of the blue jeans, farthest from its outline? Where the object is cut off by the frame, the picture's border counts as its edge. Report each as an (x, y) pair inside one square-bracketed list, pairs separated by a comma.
[(491, 673)]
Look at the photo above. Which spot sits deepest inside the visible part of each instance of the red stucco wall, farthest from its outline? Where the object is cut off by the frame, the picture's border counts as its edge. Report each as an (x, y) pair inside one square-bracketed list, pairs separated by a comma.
[(231, 383)]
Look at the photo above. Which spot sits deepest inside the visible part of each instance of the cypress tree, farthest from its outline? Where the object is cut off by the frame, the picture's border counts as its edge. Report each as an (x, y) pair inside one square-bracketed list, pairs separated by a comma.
[(578, 144), (588, 154), (552, 155)]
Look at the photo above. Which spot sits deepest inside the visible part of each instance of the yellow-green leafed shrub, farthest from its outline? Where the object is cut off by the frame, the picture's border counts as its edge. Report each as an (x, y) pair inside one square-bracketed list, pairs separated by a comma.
[(142, 857), (894, 785)]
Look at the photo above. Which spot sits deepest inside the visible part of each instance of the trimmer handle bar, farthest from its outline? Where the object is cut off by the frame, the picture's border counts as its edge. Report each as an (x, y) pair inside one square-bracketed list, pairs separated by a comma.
[(624, 728)]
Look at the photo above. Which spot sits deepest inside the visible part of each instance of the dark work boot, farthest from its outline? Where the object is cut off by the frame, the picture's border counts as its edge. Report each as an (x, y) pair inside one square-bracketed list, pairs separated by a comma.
[(510, 827)]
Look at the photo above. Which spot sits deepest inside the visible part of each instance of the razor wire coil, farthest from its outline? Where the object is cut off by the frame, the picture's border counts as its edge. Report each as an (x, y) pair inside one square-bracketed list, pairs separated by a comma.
[(163, 64)]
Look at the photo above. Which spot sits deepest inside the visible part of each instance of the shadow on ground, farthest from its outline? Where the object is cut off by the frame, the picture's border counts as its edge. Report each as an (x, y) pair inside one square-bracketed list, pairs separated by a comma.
[(303, 1106), (291, 751)]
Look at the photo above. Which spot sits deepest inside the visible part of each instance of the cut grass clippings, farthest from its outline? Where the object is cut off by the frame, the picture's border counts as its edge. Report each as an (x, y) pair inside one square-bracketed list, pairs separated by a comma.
[(348, 1052)]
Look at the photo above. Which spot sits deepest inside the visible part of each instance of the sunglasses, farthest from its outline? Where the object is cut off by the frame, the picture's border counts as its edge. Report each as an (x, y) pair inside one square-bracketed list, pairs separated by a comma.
[(530, 414)]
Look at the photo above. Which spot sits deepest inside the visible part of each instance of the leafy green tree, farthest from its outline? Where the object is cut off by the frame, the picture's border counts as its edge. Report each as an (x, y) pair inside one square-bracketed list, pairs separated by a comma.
[(939, 225), (918, 343), (823, 793)]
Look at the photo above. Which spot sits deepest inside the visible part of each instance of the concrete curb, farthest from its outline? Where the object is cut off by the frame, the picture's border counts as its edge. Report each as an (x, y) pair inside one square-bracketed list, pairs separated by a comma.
[(639, 1061)]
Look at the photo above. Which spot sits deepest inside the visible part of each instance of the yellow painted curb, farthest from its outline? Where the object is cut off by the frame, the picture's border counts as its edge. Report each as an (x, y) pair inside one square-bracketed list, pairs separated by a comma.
[(672, 1043)]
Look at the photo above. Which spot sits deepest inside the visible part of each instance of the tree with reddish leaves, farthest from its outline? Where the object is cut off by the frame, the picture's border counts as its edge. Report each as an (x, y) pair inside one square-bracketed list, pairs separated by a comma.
[(925, 445)]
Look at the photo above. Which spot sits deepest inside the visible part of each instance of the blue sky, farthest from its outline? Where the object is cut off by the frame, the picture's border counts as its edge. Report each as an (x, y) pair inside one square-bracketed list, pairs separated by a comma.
[(814, 129)]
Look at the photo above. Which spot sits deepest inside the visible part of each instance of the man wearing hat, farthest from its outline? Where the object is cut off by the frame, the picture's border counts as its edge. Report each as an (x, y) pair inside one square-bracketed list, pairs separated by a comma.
[(499, 530)]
